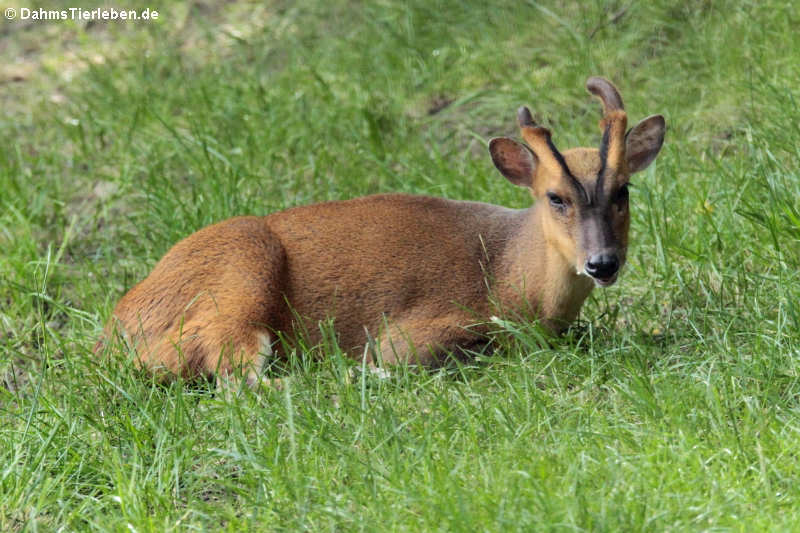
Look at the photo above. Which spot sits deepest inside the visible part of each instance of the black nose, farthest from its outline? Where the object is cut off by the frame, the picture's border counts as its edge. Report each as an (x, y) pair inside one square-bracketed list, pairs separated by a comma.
[(602, 266)]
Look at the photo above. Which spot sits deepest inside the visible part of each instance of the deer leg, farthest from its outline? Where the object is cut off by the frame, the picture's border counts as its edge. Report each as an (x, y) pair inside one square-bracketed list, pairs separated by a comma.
[(426, 341)]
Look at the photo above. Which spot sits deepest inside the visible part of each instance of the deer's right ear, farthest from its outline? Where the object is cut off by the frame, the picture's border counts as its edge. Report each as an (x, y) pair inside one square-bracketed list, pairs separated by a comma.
[(514, 160)]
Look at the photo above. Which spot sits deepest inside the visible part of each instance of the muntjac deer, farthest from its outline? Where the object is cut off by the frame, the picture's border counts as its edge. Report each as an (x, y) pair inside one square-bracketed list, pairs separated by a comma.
[(408, 276)]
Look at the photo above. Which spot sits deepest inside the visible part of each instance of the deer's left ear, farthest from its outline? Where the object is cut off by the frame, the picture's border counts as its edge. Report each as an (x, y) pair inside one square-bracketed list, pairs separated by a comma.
[(643, 142)]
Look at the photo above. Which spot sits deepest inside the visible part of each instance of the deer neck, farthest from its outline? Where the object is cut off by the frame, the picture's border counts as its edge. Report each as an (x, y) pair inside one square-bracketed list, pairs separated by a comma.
[(533, 278)]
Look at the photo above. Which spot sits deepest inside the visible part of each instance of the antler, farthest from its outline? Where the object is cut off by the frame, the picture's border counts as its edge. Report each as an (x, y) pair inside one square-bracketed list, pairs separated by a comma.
[(608, 94), (614, 123), (524, 117), (538, 138)]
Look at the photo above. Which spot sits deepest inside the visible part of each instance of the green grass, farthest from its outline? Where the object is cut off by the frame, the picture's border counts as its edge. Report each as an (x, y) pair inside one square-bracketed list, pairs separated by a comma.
[(675, 406)]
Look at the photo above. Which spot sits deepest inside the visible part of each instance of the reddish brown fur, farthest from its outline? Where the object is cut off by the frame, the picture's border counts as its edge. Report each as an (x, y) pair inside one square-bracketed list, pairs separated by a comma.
[(411, 272)]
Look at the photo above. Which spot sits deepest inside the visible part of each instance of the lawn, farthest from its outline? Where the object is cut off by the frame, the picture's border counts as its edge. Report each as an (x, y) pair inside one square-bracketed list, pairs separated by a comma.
[(673, 405)]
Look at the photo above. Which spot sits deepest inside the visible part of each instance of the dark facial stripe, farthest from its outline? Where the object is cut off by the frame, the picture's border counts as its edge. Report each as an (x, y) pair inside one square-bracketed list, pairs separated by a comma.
[(572, 179), (597, 232), (603, 161)]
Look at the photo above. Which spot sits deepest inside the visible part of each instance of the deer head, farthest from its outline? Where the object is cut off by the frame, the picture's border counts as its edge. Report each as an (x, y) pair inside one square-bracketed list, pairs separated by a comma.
[(585, 216)]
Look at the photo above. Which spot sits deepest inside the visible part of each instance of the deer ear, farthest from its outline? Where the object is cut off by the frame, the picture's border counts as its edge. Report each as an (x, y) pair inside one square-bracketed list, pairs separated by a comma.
[(514, 160), (643, 142)]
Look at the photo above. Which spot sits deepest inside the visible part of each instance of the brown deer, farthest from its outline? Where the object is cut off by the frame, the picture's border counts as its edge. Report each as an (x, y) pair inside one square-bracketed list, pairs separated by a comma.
[(408, 277)]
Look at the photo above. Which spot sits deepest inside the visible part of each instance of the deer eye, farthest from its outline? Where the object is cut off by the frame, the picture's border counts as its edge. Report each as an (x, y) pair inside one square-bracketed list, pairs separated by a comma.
[(622, 194), (556, 201)]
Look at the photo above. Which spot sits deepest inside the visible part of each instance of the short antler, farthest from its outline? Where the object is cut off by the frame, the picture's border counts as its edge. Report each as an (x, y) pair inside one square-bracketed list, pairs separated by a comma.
[(538, 138), (606, 92), (524, 117), (614, 123)]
